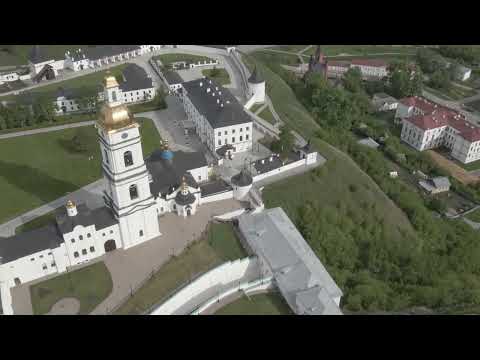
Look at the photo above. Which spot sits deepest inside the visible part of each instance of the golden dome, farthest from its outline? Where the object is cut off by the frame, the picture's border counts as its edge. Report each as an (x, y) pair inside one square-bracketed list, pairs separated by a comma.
[(110, 81), (70, 204), (115, 117)]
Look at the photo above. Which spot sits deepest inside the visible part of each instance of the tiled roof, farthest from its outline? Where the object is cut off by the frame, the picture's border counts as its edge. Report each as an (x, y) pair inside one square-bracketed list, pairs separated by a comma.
[(437, 116), (369, 62)]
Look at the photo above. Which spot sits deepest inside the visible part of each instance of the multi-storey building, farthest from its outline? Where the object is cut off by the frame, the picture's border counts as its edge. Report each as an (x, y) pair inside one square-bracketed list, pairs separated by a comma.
[(427, 125), (220, 120)]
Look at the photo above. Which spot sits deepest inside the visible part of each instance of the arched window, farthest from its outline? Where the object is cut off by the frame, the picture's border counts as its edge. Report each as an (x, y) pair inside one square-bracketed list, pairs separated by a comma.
[(133, 192), (127, 157), (114, 95)]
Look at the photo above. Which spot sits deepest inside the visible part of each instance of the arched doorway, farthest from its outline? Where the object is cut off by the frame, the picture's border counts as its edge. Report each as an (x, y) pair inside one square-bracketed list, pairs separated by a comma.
[(110, 245), (189, 210)]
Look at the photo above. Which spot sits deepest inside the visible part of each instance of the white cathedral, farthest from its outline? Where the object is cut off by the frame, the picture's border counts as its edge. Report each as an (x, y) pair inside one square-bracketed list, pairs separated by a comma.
[(137, 191)]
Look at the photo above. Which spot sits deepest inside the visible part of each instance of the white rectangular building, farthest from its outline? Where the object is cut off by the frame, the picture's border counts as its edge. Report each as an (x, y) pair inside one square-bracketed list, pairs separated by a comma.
[(426, 125), (220, 120)]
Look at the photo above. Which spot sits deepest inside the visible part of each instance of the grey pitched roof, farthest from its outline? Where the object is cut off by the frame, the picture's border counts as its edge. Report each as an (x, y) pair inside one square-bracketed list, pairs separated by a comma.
[(242, 179), (214, 187), (279, 245), (441, 181), (102, 51), (172, 77), (232, 112), (135, 78), (167, 174), (101, 217), (28, 243), (256, 77), (37, 56)]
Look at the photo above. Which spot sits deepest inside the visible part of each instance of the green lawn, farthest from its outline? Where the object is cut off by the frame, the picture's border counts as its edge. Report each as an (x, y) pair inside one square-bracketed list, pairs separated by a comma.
[(37, 169), (361, 50), (474, 216), (36, 223), (332, 183), (291, 48), (85, 83), (262, 304), (90, 285), (59, 120), (20, 53), (222, 76), (454, 93), (267, 115), (255, 107), (220, 246), (168, 59)]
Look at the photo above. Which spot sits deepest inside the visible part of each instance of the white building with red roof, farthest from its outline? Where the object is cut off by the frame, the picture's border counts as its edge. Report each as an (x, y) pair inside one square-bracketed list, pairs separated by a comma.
[(370, 68), (376, 68), (427, 125)]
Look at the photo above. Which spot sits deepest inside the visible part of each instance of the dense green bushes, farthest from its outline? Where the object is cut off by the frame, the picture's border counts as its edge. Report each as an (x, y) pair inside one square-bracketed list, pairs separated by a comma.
[(436, 266)]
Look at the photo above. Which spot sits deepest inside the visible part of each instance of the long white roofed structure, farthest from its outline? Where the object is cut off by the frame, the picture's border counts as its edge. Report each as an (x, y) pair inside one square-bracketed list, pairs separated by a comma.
[(300, 276)]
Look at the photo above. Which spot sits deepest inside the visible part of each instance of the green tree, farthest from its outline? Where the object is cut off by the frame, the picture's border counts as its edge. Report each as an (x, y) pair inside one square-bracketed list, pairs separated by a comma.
[(284, 145), (352, 80)]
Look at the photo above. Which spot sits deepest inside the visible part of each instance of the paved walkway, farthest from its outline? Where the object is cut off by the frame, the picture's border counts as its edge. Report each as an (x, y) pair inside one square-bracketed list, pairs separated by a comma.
[(66, 306), (131, 267), (46, 129)]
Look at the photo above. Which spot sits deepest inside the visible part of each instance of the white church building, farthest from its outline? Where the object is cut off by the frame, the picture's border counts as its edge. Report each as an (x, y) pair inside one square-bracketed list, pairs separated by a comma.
[(137, 191)]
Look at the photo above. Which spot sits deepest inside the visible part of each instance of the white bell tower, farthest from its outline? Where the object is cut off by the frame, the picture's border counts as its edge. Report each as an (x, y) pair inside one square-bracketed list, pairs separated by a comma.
[(126, 177)]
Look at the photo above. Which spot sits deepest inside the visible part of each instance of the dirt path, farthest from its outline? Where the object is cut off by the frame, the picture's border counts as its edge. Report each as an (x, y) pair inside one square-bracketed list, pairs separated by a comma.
[(455, 170)]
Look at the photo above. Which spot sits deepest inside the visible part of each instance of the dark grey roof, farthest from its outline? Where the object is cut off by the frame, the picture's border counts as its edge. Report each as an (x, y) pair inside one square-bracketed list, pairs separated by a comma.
[(172, 77), (242, 179), (135, 78), (102, 51), (37, 56), (168, 174), (28, 243), (268, 165), (101, 217), (187, 199), (231, 113), (214, 187), (256, 77)]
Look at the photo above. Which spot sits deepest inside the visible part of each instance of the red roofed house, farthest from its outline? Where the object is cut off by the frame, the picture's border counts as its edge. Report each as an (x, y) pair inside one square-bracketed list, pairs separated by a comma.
[(371, 67), (427, 125)]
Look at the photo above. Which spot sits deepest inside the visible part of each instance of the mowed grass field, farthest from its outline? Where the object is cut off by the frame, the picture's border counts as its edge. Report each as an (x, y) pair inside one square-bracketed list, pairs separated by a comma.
[(261, 304), (37, 169), (89, 285), (333, 182), (222, 76), (220, 245)]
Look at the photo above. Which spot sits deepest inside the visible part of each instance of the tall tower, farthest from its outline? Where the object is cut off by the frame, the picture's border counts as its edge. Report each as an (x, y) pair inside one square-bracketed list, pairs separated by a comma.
[(126, 176)]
